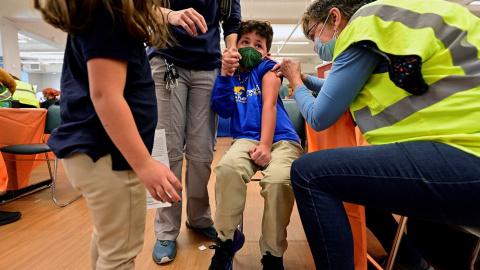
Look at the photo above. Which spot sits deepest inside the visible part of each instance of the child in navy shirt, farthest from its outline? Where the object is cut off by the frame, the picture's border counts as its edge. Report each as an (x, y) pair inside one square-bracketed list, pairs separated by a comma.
[(263, 139), (109, 114)]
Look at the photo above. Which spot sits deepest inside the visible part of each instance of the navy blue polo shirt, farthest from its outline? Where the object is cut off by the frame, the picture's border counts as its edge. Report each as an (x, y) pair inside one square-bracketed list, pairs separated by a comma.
[(80, 130), (201, 52)]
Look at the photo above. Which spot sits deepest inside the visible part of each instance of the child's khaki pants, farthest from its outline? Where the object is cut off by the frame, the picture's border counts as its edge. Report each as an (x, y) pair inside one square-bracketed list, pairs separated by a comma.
[(234, 172), (118, 205)]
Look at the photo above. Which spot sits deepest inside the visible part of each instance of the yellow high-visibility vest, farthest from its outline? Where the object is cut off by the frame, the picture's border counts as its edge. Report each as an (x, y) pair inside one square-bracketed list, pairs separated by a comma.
[(446, 36), (25, 93)]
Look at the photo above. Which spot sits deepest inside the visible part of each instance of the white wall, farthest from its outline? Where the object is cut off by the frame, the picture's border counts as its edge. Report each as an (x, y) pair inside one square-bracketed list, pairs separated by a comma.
[(45, 80), (10, 49)]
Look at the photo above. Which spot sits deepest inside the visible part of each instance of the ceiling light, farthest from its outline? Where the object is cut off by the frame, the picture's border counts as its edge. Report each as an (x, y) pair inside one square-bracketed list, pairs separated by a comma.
[(472, 3)]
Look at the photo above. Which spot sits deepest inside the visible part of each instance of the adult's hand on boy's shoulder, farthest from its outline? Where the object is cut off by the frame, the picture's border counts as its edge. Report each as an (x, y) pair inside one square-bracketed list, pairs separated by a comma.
[(277, 69), (159, 180), (260, 155), (291, 70), (230, 61)]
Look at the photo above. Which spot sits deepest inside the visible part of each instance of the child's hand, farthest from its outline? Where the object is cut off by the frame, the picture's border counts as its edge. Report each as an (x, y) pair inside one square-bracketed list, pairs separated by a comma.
[(230, 61), (159, 181), (260, 155)]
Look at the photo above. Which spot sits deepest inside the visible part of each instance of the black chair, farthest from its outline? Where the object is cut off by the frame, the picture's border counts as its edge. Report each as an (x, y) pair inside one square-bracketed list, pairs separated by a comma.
[(52, 122)]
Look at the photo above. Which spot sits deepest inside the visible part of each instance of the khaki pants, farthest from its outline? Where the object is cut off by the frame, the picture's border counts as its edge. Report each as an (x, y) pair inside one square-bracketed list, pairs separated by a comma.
[(235, 170), (117, 203)]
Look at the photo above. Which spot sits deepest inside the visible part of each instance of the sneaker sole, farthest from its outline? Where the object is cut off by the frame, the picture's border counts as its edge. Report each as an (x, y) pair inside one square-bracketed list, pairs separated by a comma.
[(163, 260)]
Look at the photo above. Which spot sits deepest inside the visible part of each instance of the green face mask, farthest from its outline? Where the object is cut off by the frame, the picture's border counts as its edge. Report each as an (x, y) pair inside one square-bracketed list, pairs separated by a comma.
[(250, 57)]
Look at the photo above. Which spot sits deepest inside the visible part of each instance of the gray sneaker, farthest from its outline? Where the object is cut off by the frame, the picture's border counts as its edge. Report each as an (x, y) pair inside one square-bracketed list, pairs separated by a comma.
[(164, 251)]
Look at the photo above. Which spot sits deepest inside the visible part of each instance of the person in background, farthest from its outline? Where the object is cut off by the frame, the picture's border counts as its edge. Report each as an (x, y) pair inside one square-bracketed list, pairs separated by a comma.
[(25, 94), (408, 71), (185, 113), (109, 114), (290, 91), (50, 96), (263, 139), (8, 87), (283, 92)]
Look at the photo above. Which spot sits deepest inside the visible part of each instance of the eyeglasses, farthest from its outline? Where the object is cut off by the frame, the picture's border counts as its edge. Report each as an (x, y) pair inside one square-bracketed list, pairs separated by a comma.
[(310, 30)]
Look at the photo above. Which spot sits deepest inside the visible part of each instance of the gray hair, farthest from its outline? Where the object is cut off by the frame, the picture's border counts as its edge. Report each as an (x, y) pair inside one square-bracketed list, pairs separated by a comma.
[(318, 11)]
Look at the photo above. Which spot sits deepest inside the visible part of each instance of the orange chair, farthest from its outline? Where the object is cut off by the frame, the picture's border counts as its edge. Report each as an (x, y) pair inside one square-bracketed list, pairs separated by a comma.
[(342, 134)]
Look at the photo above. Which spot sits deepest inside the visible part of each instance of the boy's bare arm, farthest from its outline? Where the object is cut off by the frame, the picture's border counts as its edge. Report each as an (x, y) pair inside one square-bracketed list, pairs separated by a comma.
[(270, 86)]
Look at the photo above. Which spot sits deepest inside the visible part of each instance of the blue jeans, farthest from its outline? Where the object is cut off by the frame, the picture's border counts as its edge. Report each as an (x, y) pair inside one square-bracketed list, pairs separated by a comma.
[(425, 180)]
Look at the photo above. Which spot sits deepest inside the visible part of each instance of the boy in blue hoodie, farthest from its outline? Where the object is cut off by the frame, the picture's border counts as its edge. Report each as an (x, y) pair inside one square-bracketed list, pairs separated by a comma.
[(263, 139)]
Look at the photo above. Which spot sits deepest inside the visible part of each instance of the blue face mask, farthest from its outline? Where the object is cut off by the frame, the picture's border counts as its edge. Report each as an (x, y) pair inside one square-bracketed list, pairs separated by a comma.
[(325, 50)]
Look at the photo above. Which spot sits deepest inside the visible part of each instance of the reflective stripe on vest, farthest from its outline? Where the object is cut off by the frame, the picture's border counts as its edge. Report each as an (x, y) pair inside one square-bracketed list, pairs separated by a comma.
[(4, 93), (463, 54)]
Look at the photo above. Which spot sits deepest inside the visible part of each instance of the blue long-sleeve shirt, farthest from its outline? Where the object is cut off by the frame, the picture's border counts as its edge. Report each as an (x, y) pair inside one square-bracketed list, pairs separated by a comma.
[(201, 52), (348, 74), (243, 103)]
